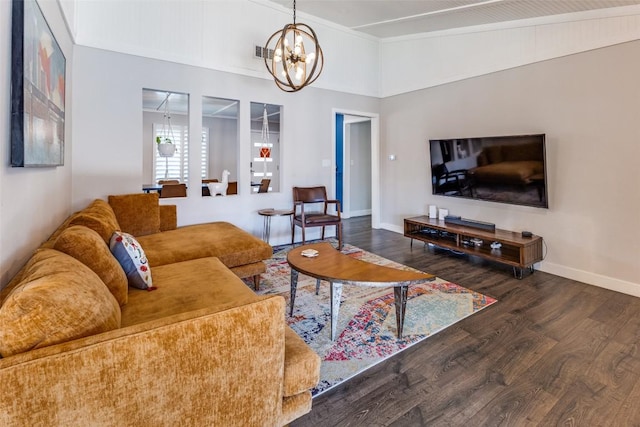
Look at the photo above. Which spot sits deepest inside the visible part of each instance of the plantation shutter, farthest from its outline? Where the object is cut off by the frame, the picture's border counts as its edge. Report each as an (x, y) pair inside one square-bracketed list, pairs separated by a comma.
[(204, 153), (177, 166)]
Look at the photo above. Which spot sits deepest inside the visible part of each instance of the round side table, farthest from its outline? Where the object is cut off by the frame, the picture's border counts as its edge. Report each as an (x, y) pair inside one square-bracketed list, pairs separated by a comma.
[(267, 214)]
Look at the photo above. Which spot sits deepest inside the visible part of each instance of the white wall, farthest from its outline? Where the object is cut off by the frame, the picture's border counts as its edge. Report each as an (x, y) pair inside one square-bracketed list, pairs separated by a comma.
[(108, 89), (359, 164), (436, 58), (588, 105), (221, 35), (223, 147), (33, 202)]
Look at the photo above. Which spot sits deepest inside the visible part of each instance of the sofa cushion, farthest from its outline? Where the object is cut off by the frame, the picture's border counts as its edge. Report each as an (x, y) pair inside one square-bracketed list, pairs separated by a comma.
[(87, 246), (301, 365), (137, 214), (168, 217), (58, 300), (531, 151), (494, 153), (232, 245), (508, 172), (99, 217), (131, 256), (187, 286)]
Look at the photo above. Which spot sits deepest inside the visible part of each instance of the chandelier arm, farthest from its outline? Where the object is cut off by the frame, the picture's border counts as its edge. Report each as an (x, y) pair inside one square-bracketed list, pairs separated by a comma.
[(319, 58), (273, 70), (284, 35)]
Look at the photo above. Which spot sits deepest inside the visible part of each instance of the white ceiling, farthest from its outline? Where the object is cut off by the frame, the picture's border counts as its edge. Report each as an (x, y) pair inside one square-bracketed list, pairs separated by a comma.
[(391, 18)]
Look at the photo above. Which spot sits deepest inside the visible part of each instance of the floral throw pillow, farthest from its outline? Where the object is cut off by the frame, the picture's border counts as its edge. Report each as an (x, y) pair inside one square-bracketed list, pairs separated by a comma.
[(131, 257)]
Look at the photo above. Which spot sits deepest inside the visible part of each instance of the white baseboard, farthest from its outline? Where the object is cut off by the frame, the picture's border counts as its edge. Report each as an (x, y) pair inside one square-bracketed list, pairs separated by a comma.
[(347, 215), (392, 227), (360, 213), (587, 277), (591, 278)]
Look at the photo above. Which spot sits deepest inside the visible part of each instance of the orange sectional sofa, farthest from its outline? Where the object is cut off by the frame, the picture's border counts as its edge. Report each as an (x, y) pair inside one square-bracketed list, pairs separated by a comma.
[(81, 347)]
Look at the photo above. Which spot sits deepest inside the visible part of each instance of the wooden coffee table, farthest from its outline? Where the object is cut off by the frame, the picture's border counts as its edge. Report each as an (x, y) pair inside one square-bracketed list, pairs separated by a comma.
[(339, 269)]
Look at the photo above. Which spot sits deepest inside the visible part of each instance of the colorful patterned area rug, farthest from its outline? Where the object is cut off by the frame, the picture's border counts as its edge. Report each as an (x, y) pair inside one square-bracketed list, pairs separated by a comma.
[(366, 333)]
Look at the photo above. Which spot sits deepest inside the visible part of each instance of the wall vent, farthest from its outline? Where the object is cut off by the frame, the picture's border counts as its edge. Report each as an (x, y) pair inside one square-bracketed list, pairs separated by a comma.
[(262, 52)]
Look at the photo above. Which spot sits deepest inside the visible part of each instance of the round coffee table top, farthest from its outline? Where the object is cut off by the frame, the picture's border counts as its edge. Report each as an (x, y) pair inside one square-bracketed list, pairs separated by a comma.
[(275, 212)]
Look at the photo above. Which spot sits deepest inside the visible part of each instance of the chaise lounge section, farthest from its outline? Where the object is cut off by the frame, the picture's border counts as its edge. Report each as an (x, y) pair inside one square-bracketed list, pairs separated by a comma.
[(81, 347)]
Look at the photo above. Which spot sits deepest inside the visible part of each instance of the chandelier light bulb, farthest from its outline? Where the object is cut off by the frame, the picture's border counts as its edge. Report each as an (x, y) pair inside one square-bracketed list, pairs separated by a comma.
[(310, 57), (297, 50)]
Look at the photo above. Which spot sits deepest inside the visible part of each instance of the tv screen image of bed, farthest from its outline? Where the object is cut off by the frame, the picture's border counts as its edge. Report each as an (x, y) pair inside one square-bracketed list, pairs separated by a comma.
[(503, 169)]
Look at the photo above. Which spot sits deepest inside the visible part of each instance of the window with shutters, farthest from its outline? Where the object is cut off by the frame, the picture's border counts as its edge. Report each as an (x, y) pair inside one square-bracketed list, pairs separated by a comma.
[(176, 166), (204, 153)]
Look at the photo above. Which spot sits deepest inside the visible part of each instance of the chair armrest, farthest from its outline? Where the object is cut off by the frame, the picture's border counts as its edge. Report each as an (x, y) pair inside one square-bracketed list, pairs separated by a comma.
[(335, 202), (297, 204), (201, 365)]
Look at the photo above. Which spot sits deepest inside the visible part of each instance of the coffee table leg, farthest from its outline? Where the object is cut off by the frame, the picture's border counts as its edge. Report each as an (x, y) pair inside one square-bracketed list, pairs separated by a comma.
[(400, 300), (317, 286), (268, 229), (294, 284), (336, 293)]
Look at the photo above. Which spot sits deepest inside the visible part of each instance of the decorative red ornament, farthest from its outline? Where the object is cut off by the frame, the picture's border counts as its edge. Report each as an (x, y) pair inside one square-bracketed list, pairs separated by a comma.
[(265, 152)]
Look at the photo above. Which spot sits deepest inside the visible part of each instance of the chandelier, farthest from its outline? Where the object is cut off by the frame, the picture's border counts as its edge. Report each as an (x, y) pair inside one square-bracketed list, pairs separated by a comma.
[(293, 66)]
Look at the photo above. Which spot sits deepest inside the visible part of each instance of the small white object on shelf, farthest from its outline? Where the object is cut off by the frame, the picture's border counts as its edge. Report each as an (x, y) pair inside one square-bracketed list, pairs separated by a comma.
[(476, 242), (309, 253)]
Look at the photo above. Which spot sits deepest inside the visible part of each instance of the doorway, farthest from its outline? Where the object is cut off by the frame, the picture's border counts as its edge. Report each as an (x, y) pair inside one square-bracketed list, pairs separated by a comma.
[(356, 154)]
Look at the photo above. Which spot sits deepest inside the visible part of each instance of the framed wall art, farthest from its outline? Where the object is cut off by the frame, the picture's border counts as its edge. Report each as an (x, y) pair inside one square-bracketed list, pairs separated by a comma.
[(37, 90)]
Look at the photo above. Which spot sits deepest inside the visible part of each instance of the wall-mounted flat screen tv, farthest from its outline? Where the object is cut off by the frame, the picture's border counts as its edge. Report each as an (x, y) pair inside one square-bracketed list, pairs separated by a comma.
[(503, 169)]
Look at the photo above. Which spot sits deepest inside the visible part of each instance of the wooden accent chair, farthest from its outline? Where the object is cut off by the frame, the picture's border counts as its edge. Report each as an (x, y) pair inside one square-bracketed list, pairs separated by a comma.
[(173, 190), (264, 186), (303, 217), (168, 181)]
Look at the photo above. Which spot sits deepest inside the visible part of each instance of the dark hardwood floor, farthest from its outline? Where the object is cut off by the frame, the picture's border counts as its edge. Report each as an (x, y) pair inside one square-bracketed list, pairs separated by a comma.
[(550, 352)]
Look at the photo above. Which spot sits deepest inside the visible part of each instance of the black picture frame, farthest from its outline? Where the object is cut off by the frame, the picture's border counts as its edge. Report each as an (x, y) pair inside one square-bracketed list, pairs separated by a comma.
[(38, 82)]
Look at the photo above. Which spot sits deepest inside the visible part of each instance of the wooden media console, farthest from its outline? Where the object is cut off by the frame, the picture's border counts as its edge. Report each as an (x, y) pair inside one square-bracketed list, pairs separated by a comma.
[(515, 250)]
